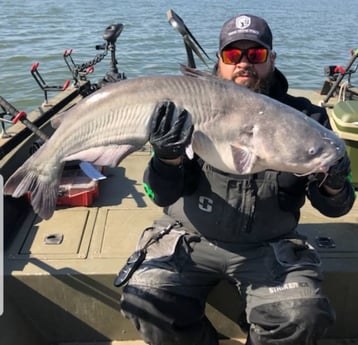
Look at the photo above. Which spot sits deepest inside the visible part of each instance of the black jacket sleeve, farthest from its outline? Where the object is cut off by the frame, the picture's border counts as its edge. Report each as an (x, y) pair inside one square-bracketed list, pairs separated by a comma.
[(332, 206), (165, 183)]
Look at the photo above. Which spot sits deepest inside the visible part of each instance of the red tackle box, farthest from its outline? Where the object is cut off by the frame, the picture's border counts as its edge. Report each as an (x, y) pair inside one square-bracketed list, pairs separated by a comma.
[(77, 189)]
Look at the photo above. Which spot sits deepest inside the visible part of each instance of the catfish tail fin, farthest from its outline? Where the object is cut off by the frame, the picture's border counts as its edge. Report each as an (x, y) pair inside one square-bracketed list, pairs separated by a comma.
[(42, 186)]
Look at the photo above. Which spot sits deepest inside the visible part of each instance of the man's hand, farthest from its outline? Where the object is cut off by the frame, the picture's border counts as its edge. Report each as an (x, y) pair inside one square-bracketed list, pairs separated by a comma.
[(336, 176), (170, 132)]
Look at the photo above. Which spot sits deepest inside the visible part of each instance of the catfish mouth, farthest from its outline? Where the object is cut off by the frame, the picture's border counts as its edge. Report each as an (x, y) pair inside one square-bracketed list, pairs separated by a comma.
[(322, 167)]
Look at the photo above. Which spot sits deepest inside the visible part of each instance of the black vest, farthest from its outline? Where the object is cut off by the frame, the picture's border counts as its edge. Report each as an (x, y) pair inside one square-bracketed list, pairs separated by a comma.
[(232, 208)]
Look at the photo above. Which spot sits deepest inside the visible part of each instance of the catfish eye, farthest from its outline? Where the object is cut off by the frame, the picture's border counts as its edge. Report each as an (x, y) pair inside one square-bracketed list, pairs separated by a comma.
[(312, 151)]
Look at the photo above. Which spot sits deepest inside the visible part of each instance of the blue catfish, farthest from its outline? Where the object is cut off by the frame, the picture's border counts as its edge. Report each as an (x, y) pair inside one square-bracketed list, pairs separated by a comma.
[(235, 130)]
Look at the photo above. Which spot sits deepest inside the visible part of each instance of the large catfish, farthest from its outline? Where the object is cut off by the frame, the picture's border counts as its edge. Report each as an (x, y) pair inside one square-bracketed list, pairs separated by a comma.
[(235, 130)]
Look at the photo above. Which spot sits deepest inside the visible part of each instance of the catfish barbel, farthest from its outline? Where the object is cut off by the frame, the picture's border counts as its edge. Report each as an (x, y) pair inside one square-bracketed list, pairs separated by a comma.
[(235, 130)]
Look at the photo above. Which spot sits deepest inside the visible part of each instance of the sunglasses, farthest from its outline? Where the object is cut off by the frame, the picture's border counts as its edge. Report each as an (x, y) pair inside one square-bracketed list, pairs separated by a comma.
[(254, 55)]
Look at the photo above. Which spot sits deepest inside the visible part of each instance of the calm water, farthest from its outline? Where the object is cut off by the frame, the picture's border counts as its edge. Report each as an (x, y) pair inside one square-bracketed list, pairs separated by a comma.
[(308, 35)]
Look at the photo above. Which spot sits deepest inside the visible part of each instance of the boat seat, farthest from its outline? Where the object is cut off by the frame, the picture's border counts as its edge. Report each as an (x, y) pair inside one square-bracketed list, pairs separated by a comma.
[(347, 111)]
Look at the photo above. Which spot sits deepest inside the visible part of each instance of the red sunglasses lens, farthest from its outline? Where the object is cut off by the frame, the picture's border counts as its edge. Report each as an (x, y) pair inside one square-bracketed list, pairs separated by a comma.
[(232, 56), (257, 55), (254, 55)]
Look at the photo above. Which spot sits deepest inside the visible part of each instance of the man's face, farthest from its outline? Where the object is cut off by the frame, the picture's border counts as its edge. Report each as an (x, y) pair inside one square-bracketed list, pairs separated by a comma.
[(255, 76)]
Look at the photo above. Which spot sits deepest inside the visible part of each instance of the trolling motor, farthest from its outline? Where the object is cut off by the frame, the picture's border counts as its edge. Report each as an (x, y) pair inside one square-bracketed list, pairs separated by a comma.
[(79, 71), (110, 35)]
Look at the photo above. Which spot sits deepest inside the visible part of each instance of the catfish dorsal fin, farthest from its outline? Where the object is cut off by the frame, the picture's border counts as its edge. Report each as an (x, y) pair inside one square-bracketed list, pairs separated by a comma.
[(196, 73), (57, 119)]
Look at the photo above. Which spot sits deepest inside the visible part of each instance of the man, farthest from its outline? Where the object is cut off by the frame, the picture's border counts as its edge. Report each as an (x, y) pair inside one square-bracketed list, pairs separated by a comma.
[(240, 228)]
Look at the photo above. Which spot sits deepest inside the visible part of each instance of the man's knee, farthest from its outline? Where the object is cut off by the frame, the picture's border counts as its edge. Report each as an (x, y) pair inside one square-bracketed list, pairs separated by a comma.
[(164, 318), (160, 305), (294, 322)]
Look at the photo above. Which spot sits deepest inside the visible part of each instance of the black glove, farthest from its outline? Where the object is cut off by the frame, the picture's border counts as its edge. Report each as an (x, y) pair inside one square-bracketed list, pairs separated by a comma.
[(171, 131), (337, 174)]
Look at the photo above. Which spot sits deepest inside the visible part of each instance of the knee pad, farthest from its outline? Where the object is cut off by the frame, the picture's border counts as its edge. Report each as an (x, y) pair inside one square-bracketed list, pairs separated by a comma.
[(165, 307), (298, 321)]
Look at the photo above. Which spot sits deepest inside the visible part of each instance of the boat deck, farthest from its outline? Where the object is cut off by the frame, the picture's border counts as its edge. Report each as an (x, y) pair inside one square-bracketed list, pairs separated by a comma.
[(77, 275)]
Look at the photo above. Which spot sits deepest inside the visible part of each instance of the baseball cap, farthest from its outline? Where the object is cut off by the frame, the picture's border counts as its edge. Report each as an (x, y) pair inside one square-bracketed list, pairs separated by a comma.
[(245, 27)]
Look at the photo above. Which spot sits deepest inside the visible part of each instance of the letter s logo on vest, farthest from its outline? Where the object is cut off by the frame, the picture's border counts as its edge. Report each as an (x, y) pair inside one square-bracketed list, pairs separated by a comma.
[(205, 204)]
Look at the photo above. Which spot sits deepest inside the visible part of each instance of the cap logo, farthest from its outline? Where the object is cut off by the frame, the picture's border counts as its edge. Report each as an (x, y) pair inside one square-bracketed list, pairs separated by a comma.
[(243, 22)]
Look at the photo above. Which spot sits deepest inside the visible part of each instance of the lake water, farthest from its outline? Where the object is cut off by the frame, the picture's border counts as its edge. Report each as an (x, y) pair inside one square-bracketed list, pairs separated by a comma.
[(308, 35)]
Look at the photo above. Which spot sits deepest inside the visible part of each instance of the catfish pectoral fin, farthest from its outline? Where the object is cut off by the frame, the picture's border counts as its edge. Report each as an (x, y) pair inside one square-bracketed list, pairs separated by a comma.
[(244, 160)]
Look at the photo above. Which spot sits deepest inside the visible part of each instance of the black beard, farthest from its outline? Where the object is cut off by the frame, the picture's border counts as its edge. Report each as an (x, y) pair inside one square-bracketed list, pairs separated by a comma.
[(264, 85), (261, 86)]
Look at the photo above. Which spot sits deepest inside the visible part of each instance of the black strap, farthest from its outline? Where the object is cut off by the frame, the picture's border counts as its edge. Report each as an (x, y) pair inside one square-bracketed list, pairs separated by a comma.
[(135, 260)]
